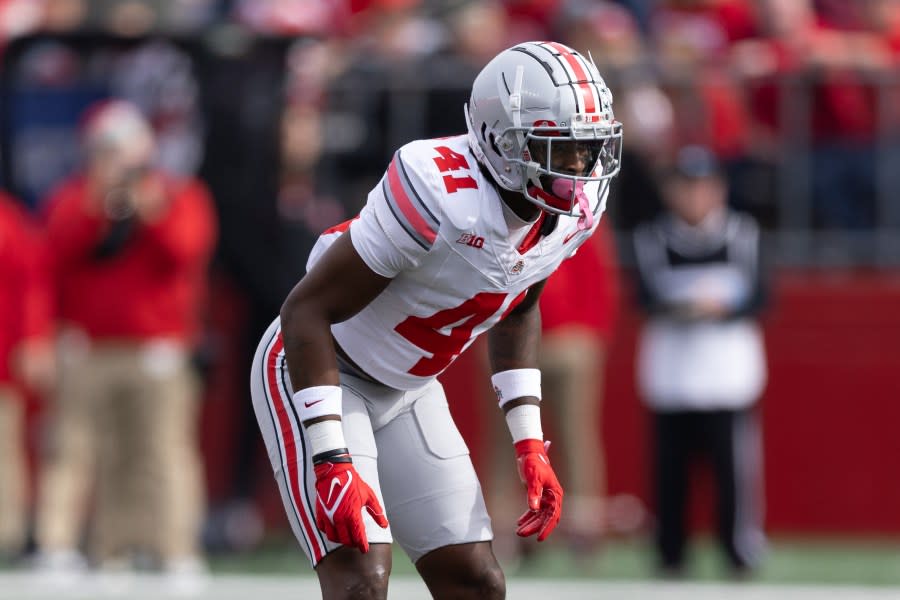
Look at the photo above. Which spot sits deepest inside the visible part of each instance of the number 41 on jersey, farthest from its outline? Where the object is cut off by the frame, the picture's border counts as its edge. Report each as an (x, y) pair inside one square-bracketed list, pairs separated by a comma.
[(449, 160)]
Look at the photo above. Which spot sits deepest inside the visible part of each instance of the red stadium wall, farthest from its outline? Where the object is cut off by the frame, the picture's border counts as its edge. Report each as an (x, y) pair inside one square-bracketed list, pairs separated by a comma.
[(830, 412)]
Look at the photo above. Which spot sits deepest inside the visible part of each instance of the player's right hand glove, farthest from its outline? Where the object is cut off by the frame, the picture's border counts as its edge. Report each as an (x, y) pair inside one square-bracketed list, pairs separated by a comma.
[(545, 494), (341, 496)]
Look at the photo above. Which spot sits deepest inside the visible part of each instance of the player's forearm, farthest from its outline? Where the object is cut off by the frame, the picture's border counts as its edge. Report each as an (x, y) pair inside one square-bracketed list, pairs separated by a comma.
[(308, 346), (335, 289), (514, 342)]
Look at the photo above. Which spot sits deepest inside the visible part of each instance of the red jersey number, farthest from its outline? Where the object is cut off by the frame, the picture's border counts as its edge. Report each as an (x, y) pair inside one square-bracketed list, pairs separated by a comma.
[(450, 160), (427, 332)]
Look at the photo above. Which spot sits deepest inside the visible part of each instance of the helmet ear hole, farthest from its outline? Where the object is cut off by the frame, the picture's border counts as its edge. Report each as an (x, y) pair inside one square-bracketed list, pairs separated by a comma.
[(493, 142)]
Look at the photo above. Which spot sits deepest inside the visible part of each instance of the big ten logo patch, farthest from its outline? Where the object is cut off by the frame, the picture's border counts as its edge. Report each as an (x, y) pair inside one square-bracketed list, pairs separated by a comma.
[(470, 239)]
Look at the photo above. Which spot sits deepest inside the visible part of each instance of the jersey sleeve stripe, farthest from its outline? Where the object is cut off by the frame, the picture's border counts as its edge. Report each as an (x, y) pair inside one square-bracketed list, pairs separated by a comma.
[(401, 219), (400, 197), (423, 209)]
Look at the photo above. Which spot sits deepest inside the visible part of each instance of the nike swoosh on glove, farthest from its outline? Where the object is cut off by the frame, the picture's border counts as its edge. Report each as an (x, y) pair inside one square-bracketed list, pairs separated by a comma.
[(545, 494), (341, 495)]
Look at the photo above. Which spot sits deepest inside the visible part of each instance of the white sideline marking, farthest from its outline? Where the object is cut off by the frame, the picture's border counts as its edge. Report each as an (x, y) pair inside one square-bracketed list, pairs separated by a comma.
[(28, 586)]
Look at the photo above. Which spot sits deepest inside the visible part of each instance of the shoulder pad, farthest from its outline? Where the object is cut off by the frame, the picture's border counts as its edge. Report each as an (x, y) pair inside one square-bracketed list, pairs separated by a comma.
[(453, 174)]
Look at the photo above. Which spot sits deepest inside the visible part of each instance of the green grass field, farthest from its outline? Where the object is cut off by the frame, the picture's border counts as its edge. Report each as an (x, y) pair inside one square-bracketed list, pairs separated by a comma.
[(790, 561), (821, 569)]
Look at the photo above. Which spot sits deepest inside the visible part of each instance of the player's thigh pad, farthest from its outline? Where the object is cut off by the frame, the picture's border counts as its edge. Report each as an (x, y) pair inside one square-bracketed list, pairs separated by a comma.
[(289, 452), (433, 498)]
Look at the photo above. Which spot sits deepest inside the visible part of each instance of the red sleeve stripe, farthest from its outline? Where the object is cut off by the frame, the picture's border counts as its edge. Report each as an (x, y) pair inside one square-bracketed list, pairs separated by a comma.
[(419, 224), (340, 227), (579, 76)]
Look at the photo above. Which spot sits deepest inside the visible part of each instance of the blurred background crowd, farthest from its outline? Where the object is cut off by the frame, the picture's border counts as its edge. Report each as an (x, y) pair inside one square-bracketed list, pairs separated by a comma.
[(168, 164)]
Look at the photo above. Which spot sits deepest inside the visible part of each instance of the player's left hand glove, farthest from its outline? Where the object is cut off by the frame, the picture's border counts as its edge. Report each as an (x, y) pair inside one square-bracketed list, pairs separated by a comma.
[(545, 494)]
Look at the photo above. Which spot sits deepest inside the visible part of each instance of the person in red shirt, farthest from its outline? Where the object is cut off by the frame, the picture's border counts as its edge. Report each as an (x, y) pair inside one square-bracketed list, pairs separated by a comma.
[(692, 39), (815, 80), (130, 246), (26, 359)]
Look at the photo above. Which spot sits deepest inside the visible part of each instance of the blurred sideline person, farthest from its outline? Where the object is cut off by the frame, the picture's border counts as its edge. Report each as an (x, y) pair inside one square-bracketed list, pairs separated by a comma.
[(26, 360), (701, 364), (130, 246), (459, 237)]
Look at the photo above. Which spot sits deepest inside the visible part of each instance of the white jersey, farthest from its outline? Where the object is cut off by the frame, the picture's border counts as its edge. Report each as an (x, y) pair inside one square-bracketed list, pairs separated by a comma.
[(435, 226)]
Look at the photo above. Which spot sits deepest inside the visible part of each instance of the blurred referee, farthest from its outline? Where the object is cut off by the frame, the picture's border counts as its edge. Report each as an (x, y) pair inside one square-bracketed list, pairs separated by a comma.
[(701, 364)]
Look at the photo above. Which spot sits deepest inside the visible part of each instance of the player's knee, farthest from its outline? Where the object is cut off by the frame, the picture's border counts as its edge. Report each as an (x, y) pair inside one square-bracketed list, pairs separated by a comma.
[(485, 583), (367, 586), (463, 571), (493, 583), (349, 574), (362, 584)]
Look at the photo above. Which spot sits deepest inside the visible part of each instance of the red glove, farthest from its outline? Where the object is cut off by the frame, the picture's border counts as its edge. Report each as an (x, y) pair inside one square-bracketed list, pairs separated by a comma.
[(544, 492), (342, 494)]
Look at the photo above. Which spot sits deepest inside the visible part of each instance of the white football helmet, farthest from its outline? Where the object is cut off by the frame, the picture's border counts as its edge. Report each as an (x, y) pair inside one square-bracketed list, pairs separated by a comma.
[(540, 120)]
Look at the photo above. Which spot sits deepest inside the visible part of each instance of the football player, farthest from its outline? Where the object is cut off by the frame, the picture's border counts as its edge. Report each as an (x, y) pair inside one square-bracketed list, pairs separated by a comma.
[(456, 240)]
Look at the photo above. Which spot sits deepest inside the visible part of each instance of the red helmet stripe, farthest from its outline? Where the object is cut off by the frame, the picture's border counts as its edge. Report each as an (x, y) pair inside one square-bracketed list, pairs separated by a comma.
[(587, 94)]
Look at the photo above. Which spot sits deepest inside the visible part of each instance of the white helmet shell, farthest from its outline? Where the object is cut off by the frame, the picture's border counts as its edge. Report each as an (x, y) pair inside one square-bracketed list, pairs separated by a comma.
[(537, 95)]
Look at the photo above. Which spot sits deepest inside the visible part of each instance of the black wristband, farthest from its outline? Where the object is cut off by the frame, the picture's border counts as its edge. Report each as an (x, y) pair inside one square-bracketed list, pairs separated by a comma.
[(337, 455)]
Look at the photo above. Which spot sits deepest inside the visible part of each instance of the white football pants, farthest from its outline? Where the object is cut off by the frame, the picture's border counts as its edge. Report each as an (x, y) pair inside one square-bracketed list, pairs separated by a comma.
[(405, 445)]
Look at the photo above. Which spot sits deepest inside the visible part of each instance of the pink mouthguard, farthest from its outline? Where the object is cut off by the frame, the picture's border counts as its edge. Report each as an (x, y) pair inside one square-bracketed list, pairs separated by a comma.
[(563, 189)]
